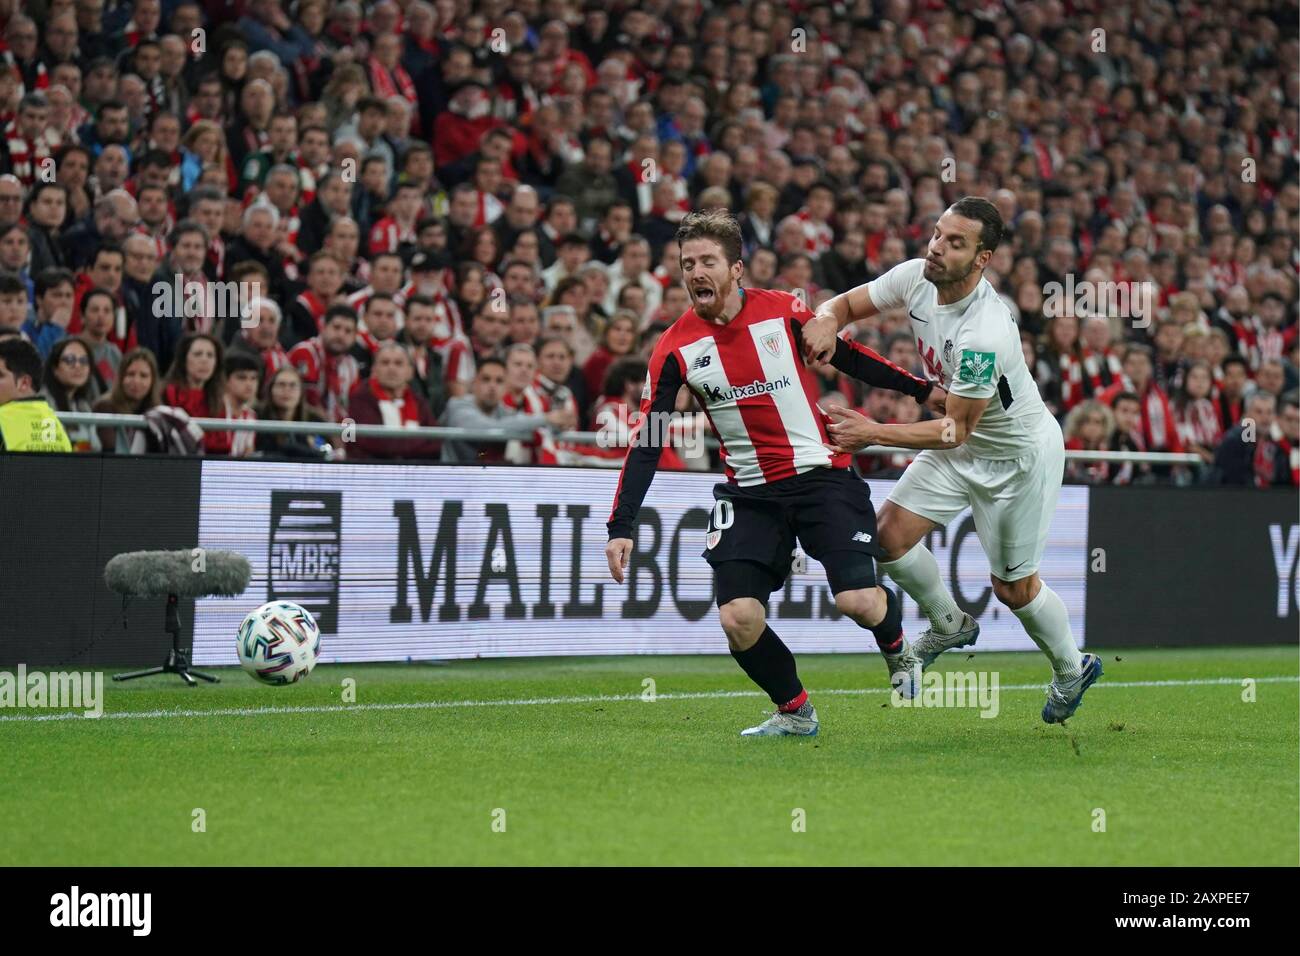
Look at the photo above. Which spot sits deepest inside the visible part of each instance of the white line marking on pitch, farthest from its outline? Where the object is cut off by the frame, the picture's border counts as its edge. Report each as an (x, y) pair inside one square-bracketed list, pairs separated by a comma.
[(592, 699)]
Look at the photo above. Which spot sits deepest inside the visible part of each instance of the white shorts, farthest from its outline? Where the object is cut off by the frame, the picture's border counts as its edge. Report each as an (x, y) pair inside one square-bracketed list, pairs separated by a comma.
[(1012, 500)]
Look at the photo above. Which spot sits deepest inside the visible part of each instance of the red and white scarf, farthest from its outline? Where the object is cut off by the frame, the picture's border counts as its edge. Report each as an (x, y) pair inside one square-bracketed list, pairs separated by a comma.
[(1100, 369), (242, 443), (25, 155), (395, 82), (1198, 423), (401, 412), (1158, 427), (1071, 374), (540, 449)]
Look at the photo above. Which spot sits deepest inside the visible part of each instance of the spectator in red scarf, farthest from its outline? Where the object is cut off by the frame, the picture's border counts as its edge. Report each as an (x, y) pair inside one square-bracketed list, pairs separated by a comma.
[(388, 77), (1062, 381), (260, 337), (1198, 422), (329, 371), (309, 77), (196, 385), (1249, 454), (243, 375), (1170, 364), (395, 232), (1232, 390), (422, 49), (483, 408), (458, 131), (385, 398), (26, 144), (523, 396), (1159, 430), (1127, 436), (554, 48), (1087, 428), (105, 272), (1100, 366), (307, 311)]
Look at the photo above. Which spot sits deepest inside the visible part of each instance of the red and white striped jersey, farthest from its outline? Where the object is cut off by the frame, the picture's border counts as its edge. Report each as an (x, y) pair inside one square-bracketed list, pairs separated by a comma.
[(457, 358), (327, 379), (761, 399), (387, 235)]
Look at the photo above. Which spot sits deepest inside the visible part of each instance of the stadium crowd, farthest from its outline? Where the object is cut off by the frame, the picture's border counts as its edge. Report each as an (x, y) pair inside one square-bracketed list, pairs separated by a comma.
[(463, 212)]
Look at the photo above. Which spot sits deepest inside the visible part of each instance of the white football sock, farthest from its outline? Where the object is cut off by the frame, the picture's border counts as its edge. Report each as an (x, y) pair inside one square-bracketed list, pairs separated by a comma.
[(1048, 623), (917, 573)]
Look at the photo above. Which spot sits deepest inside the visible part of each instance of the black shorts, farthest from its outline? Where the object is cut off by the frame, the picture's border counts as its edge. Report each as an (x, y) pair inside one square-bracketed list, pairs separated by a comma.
[(752, 533)]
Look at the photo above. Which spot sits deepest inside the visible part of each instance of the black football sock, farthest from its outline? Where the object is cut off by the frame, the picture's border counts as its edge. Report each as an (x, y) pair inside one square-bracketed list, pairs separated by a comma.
[(770, 665), (889, 632)]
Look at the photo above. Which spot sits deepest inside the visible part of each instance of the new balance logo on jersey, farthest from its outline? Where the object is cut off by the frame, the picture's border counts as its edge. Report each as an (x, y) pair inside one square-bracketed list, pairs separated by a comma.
[(702, 362), (863, 537), (757, 387)]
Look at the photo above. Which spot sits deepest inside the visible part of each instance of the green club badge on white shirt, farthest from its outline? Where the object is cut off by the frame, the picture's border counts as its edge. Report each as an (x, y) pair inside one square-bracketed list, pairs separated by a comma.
[(976, 367)]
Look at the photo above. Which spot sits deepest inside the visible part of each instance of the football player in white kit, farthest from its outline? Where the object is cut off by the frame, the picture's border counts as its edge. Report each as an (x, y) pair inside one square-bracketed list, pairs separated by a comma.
[(997, 451)]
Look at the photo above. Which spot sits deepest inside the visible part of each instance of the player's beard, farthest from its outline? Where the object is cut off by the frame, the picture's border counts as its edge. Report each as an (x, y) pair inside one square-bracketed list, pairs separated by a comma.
[(947, 276), (712, 308)]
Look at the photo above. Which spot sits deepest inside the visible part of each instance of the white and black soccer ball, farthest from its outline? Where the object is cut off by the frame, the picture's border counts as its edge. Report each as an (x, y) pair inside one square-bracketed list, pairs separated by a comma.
[(279, 643)]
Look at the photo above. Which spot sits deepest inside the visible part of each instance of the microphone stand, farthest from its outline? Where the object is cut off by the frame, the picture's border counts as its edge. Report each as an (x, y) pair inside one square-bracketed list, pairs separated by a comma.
[(178, 658)]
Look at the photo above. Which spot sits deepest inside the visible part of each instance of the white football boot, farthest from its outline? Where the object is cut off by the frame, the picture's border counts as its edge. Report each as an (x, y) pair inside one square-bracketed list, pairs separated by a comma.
[(797, 723), (930, 644)]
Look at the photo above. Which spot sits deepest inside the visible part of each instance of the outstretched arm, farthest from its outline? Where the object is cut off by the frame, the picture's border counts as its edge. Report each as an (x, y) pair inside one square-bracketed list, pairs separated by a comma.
[(853, 431), (867, 365), (821, 331)]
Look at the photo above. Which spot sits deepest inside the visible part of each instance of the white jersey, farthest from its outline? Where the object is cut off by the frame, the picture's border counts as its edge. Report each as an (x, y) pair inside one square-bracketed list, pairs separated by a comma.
[(972, 348)]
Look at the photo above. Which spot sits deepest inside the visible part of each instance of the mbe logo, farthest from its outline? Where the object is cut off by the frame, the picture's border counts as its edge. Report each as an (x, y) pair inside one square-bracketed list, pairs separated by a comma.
[(305, 547)]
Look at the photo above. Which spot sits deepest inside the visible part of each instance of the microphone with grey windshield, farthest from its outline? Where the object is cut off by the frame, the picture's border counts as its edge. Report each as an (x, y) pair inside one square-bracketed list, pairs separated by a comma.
[(198, 572)]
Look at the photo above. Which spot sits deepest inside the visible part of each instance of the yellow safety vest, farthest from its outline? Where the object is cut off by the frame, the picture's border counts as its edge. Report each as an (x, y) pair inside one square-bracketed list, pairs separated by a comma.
[(29, 424)]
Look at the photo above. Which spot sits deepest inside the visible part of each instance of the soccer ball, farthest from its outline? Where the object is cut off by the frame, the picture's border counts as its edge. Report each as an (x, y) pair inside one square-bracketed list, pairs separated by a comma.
[(279, 643)]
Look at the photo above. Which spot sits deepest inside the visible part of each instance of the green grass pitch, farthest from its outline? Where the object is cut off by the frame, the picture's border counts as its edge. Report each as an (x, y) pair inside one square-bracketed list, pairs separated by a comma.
[(1186, 772)]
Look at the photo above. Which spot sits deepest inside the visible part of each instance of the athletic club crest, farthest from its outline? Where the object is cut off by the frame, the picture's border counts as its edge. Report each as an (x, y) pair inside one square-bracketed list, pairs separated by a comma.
[(772, 343), (947, 351)]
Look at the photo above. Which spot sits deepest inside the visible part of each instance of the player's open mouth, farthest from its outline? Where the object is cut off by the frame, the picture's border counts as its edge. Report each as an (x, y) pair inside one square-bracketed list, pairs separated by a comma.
[(703, 293)]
